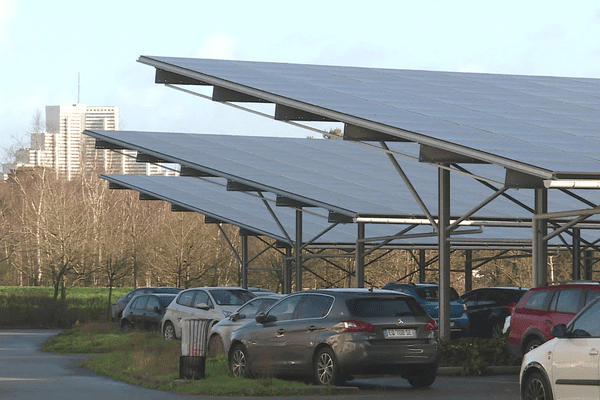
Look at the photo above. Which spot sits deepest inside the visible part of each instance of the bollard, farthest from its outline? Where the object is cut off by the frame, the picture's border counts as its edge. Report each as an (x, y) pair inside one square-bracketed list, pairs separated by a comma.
[(194, 343)]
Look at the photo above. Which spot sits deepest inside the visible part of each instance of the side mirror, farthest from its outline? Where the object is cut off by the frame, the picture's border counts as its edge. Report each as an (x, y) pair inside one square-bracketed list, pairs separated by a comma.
[(157, 310), (559, 331), (261, 318), (235, 316), (202, 306)]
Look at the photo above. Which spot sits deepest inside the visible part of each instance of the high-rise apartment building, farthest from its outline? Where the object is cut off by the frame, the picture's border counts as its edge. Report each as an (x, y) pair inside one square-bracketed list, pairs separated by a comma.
[(64, 148)]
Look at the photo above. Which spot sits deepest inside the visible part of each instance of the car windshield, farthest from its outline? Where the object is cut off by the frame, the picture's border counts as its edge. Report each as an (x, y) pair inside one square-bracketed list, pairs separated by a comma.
[(432, 293), (385, 307), (231, 297)]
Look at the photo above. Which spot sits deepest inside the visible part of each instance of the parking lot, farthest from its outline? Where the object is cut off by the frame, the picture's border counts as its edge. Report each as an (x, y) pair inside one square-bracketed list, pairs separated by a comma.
[(26, 372)]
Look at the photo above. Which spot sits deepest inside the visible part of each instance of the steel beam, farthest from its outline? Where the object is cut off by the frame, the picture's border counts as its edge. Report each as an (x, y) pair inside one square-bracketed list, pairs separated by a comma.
[(444, 251)]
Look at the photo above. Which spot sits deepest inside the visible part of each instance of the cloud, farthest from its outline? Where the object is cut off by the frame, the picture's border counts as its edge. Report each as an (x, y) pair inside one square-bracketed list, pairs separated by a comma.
[(6, 9), (221, 47)]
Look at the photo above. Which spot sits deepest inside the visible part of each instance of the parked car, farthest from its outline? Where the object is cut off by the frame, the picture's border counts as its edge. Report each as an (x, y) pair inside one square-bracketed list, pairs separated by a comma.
[(428, 295), (331, 334), (261, 291), (214, 303), (118, 307), (543, 307), (565, 367), (488, 308), (145, 311), (220, 333)]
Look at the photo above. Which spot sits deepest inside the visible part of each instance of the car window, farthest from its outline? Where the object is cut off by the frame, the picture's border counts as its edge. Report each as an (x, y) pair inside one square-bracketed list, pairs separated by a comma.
[(432, 293), (515, 295), (385, 307), (567, 301), (591, 295), (152, 303), (284, 310), (314, 306), (488, 300), (139, 302), (537, 300), (254, 306), (586, 324), (186, 298), (471, 299), (201, 297), (166, 300), (231, 297)]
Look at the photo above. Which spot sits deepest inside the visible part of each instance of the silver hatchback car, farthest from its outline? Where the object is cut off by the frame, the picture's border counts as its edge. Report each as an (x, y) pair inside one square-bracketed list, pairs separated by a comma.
[(331, 334), (214, 303)]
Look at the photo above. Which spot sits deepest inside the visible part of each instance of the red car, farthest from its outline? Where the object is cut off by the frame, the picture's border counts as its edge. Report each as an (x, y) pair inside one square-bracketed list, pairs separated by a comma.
[(543, 307)]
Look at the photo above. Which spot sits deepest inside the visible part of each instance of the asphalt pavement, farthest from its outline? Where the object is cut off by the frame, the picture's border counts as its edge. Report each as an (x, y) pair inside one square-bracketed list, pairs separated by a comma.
[(27, 372)]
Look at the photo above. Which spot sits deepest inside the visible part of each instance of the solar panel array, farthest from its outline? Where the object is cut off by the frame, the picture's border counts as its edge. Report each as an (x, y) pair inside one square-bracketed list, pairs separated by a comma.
[(548, 124), (330, 175)]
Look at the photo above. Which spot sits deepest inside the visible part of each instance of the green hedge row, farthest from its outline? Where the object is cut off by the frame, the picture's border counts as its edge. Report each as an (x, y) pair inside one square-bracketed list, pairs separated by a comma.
[(34, 307), (474, 355)]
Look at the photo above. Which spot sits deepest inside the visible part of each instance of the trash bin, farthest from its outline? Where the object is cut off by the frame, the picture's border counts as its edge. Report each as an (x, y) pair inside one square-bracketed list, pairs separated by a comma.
[(194, 343)]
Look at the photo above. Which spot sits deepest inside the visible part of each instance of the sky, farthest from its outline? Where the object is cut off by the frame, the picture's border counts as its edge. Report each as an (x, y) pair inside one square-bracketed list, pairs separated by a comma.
[(64, 52)]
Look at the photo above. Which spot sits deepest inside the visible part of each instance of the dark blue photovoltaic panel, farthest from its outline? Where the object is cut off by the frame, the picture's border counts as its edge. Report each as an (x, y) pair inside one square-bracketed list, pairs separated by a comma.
[(515, 117), (338, 176)]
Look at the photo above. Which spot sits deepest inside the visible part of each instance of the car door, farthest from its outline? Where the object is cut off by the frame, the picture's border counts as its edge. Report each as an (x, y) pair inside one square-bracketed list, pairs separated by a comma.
[(575, 359), (154, 313), (303, 332), (565, 304), (267, 343), (137, 311)]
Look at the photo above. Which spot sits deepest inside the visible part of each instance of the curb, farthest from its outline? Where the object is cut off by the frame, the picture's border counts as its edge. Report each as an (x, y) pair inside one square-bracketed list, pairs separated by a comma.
[(493, 370)]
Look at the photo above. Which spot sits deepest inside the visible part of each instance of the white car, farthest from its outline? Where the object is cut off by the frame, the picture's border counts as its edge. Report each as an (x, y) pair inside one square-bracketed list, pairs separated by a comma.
[(568, 366), (220, 334), (214, 303)]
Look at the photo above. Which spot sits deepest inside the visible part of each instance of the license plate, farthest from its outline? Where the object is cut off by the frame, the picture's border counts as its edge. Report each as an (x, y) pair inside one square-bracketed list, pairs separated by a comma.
[(399, 333)]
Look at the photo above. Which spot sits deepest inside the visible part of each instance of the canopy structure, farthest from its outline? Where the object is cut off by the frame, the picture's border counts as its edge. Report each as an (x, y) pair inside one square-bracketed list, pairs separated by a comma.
[(492, 133)]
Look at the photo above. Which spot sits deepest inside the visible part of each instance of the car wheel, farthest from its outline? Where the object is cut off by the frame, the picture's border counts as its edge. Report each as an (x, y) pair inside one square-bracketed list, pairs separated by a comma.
[(423, 377), (532, 344), (327, 368), (238, 362), (125, 326), (536, 388), (497, 328), (215, 346), (169, 331)]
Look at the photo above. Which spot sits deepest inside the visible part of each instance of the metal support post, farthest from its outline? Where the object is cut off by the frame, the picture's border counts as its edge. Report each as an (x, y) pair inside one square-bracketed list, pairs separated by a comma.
[(539, 245), (468, 270), (298, 250), (360, 256), (444, 251), (422, 265), (576, 254), (245, 261), (287, 271)]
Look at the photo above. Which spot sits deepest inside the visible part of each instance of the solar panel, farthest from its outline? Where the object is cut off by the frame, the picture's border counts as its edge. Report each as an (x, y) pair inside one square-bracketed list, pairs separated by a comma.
[(486, 113)]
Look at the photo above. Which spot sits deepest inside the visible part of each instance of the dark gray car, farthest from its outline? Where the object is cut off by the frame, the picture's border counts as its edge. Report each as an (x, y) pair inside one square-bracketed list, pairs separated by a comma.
[(331, 334)]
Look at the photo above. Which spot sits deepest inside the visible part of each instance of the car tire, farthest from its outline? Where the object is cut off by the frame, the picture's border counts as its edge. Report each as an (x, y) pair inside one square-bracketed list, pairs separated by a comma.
[(125, 326), (326, 368), (215, 346), (536, 387), (423, 376), (238, 362), (532, 344), (168, 331), (497, 328)]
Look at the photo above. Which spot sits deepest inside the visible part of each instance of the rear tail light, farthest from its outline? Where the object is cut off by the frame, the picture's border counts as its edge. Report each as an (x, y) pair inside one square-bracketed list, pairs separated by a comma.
[(355, 326), (464, 307), (431, 326)]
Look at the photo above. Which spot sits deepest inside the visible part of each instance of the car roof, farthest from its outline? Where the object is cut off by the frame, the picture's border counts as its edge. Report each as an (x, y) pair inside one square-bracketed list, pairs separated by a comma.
[(568, 284), (362, 291)]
